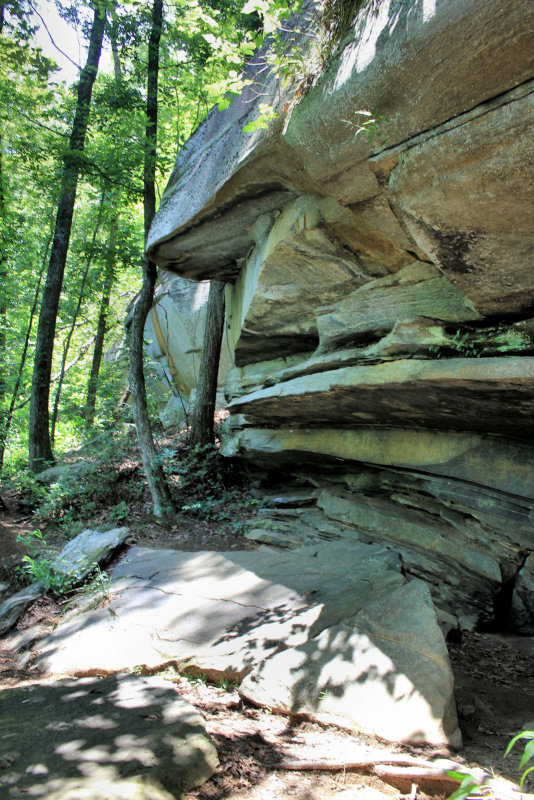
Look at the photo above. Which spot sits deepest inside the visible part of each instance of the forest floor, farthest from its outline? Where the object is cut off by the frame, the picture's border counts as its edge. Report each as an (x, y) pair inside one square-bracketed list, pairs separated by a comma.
[(494, 677)]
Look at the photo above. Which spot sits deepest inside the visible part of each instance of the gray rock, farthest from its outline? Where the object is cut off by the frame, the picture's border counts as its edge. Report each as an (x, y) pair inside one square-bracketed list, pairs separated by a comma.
[(385, 670), (174, 333), (77, 559), (419, 290), (75, 470), (222, 612), (227, 615), (14, 606), (79, 556), (452, 394), (522, 607), (119, 737)]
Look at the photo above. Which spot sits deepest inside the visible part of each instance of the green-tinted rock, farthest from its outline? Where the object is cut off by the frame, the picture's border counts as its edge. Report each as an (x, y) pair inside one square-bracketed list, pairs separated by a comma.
[(466, 394), (458, 455), (416, 290)]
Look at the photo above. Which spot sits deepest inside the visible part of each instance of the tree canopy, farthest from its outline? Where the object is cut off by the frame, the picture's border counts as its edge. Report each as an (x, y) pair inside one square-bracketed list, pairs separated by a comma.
[(203, 46)]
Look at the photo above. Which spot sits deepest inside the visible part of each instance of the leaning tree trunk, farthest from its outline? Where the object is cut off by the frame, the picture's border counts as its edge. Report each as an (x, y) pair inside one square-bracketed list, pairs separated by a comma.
[(202, 420), (40, 449), (159, 491), (92, 385)]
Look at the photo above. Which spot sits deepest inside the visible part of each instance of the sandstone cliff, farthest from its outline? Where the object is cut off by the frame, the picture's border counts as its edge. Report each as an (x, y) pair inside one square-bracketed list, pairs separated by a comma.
[(381, 295)]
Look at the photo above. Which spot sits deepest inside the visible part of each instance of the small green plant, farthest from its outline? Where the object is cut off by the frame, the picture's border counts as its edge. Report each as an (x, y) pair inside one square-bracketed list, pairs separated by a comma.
[(460, 344), (470, 786), (226, 684), (528, 752), (38, 565), (119, 512), (372, 124), (197, 679)]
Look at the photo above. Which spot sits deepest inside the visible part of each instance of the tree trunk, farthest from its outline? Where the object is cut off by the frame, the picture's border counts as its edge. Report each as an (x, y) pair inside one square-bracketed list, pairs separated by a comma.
[(202, 420), (40, 450), (92, 385), (3, 279), (70, 334), (15, 394), (159, 491)]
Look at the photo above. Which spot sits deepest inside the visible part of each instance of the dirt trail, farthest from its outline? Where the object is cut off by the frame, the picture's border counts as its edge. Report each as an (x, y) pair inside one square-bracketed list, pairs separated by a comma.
[(494, 689)]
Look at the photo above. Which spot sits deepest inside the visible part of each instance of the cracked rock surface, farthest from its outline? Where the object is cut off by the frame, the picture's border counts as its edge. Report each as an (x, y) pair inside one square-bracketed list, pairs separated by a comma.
[(341, 609)]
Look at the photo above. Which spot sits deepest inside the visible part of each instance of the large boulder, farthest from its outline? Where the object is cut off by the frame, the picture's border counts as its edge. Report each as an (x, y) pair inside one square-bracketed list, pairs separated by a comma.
[(381, 288), (119, 737)]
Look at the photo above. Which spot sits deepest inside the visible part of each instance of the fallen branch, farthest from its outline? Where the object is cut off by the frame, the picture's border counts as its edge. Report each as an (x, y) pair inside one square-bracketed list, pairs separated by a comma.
[(356, 765), (405, 772)]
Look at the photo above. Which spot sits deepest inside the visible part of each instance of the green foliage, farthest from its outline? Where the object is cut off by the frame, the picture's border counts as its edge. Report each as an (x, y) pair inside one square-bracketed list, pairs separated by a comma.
[(226, 685), (472, 787), (460, 344), (469, 786), (209, 482), (38, 565), (372, 124), (73, 499), (265, 116), (528, 752)]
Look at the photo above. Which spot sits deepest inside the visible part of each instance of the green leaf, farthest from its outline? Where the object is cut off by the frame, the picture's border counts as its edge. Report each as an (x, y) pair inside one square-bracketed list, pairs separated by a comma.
[(524, 775), (528, 752), (517, 737)]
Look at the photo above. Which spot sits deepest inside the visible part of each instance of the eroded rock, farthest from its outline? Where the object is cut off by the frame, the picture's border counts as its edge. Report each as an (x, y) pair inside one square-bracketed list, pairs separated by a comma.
[(386, 670), (380, 312)]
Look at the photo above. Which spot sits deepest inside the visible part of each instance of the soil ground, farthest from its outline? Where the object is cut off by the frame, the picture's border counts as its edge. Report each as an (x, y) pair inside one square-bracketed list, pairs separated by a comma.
[(494, 677)]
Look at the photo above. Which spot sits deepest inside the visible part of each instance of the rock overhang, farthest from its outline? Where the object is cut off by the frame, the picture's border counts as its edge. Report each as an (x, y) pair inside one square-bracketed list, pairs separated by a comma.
[(380, 312)]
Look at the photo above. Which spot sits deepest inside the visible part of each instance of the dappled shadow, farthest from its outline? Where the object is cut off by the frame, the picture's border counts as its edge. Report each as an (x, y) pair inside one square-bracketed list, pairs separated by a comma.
[(97, 732), (332, 631)]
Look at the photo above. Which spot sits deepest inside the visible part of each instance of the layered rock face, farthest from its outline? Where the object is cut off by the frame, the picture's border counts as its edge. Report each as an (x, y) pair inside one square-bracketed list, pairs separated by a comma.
[(380, 302)]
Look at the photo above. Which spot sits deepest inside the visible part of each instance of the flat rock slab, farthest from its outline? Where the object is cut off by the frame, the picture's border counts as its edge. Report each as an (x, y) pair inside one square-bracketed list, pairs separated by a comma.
[(383, 670), (101, 739), (220, 612), (227, 614)]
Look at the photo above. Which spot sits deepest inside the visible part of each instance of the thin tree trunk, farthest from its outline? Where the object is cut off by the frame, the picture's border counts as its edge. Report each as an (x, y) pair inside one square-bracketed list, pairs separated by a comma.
[(70, 334), (40, 450), (202, 419), (3, 277), (115, 48), (16, 388), (159, 491), (92, 385)]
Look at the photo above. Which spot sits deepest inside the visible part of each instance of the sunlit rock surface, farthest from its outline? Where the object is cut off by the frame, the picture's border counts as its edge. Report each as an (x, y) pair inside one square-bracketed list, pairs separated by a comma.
[(380, 300), (311, 630), (174, 332)]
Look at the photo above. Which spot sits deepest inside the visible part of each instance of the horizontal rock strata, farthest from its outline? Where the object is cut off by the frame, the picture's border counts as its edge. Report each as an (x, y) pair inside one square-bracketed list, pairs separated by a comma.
[(380, 297)]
